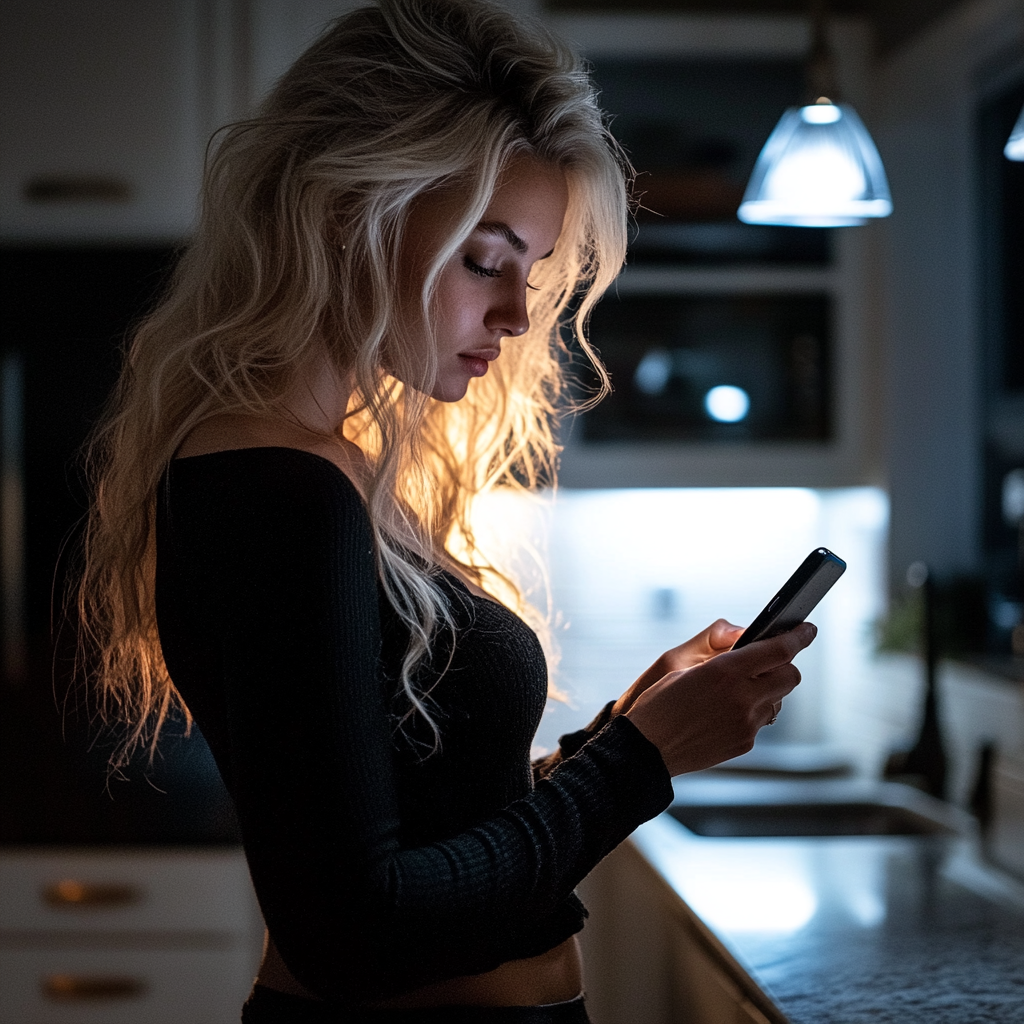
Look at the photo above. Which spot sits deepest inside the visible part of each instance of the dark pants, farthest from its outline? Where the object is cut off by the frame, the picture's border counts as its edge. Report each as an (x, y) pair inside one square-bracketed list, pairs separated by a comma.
[(266, 1006)]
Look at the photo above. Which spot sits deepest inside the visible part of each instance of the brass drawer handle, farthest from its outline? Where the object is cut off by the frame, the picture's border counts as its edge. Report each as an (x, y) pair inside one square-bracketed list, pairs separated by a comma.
[(76, 188), (68, 988), (71, 893)]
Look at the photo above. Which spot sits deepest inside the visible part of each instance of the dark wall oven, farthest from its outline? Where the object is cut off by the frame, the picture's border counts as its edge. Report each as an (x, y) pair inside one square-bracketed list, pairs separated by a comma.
[(66, 313)]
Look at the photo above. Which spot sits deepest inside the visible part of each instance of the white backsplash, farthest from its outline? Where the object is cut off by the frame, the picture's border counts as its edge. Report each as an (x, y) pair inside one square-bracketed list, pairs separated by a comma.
[(634, 572)]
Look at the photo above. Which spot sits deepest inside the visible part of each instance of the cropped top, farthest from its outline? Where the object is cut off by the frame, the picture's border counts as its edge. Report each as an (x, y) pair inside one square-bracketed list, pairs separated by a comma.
[(380, 867)]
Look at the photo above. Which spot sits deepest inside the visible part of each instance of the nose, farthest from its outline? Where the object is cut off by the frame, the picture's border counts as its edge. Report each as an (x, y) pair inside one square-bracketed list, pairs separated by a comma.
[(508, 311)]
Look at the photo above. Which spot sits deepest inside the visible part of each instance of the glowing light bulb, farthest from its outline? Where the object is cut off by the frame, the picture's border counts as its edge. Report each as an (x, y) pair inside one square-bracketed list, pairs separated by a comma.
[(818, 173), (727, 403)]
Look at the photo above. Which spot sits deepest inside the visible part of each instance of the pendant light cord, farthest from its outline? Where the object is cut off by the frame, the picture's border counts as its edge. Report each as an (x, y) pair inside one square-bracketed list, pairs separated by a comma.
[(821, 65)]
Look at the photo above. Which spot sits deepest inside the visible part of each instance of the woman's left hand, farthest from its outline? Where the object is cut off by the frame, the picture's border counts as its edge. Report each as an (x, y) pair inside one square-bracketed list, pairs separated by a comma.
[(718, 637)]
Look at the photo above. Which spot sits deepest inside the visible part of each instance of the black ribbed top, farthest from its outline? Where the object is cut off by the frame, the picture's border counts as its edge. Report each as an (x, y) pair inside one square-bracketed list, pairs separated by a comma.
[(379, 869)]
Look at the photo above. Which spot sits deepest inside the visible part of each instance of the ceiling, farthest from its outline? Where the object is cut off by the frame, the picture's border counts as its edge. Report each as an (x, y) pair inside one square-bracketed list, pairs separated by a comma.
[(895, 21)]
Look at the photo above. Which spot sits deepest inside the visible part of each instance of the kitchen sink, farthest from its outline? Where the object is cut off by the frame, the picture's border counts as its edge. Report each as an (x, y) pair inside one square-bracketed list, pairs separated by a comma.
[(788, 760), (825, 819), (725, 808)]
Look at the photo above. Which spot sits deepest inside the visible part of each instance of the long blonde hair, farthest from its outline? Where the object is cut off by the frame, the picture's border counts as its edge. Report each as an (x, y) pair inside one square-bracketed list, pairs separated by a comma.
[(295, 258)]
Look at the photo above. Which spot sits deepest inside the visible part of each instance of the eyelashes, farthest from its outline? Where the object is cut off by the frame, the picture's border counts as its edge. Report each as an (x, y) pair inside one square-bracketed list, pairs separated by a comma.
[(475, 268)]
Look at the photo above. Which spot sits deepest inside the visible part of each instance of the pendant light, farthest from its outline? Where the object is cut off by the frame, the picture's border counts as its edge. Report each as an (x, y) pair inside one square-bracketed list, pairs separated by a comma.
[(1014, 148), (819, 167)]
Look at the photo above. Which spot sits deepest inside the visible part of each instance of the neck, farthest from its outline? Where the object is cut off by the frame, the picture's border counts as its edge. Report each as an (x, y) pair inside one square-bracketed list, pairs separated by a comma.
[(319, 400)]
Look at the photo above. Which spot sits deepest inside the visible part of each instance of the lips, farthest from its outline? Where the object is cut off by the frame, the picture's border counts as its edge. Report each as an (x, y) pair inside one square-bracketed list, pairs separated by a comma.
[(476, 362)]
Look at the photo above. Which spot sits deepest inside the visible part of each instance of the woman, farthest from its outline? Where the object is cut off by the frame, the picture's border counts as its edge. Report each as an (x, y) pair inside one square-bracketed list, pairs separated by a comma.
[(362, 337)]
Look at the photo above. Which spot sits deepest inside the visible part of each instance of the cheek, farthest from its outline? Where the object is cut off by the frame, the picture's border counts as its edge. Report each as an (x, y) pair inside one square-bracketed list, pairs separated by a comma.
[(455, 311)]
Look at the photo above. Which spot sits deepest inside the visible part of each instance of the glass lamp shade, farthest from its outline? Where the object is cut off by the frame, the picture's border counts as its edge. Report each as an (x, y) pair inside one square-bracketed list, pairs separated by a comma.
[(818, 169), (1014, 148)]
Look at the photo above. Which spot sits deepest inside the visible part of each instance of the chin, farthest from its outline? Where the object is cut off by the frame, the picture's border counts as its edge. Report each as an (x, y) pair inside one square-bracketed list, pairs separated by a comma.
[(450, 392), (451, 388), (443, 390)]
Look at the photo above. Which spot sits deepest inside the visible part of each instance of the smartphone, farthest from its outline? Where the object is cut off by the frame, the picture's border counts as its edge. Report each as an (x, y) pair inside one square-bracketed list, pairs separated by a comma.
[(794, 602)]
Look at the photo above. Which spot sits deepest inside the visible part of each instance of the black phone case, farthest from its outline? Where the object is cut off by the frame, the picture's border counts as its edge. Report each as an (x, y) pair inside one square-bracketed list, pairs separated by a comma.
[(797, 598)]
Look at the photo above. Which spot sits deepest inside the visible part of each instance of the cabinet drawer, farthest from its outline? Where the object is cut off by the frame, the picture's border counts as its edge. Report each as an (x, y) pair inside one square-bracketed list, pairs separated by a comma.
[(107, 986), (126, 891)]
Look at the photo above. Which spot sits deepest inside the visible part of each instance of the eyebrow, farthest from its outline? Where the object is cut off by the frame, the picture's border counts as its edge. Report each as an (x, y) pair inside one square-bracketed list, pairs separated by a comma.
[(499, 227)]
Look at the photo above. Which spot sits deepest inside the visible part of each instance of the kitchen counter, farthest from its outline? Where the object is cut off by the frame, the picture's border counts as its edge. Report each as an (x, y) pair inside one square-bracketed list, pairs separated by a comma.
[(853, 929)]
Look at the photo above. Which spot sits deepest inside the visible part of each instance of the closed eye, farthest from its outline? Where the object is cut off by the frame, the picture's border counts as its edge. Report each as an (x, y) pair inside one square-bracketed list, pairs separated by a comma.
[(474, 268)]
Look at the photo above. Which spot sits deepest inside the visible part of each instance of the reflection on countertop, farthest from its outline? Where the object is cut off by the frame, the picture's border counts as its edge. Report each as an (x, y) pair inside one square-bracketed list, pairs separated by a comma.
[(855, 929)]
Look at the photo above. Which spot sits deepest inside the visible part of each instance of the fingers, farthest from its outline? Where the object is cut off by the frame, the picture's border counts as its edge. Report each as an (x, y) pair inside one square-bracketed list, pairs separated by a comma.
[(773, 714), (779, 682), (718, 637), (721, 635), (763, 655), (700, 716)]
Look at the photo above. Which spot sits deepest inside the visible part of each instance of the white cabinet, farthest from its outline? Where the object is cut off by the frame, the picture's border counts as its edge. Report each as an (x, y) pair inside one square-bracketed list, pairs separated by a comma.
[(105, 111), (126, 937), (107, 106), (647, 957)]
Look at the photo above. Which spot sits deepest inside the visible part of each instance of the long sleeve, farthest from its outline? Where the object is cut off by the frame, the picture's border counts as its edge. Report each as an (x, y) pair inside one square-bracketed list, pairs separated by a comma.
[(571, 743), (276, 580)]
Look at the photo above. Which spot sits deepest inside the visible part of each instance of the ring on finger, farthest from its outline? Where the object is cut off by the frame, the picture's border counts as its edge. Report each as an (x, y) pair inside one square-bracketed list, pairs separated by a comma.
[(776, 708)]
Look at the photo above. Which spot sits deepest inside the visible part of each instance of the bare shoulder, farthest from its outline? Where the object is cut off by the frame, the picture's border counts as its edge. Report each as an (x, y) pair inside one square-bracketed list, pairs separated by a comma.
[(232, 431)]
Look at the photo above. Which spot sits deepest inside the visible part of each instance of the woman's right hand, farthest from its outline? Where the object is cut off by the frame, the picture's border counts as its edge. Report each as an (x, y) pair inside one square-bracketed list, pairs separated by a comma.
[(707, 714)]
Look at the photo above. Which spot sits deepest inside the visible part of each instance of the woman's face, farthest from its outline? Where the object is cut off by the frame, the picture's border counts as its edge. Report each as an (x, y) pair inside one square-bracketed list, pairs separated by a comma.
[(480, 297)]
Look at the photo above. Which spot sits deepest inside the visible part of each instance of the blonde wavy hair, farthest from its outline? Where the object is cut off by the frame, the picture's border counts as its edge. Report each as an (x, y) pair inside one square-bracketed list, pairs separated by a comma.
[(295, 259)]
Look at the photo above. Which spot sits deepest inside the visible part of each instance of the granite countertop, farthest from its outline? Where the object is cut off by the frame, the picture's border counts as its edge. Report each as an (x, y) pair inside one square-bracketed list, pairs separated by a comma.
[(856, 929)]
